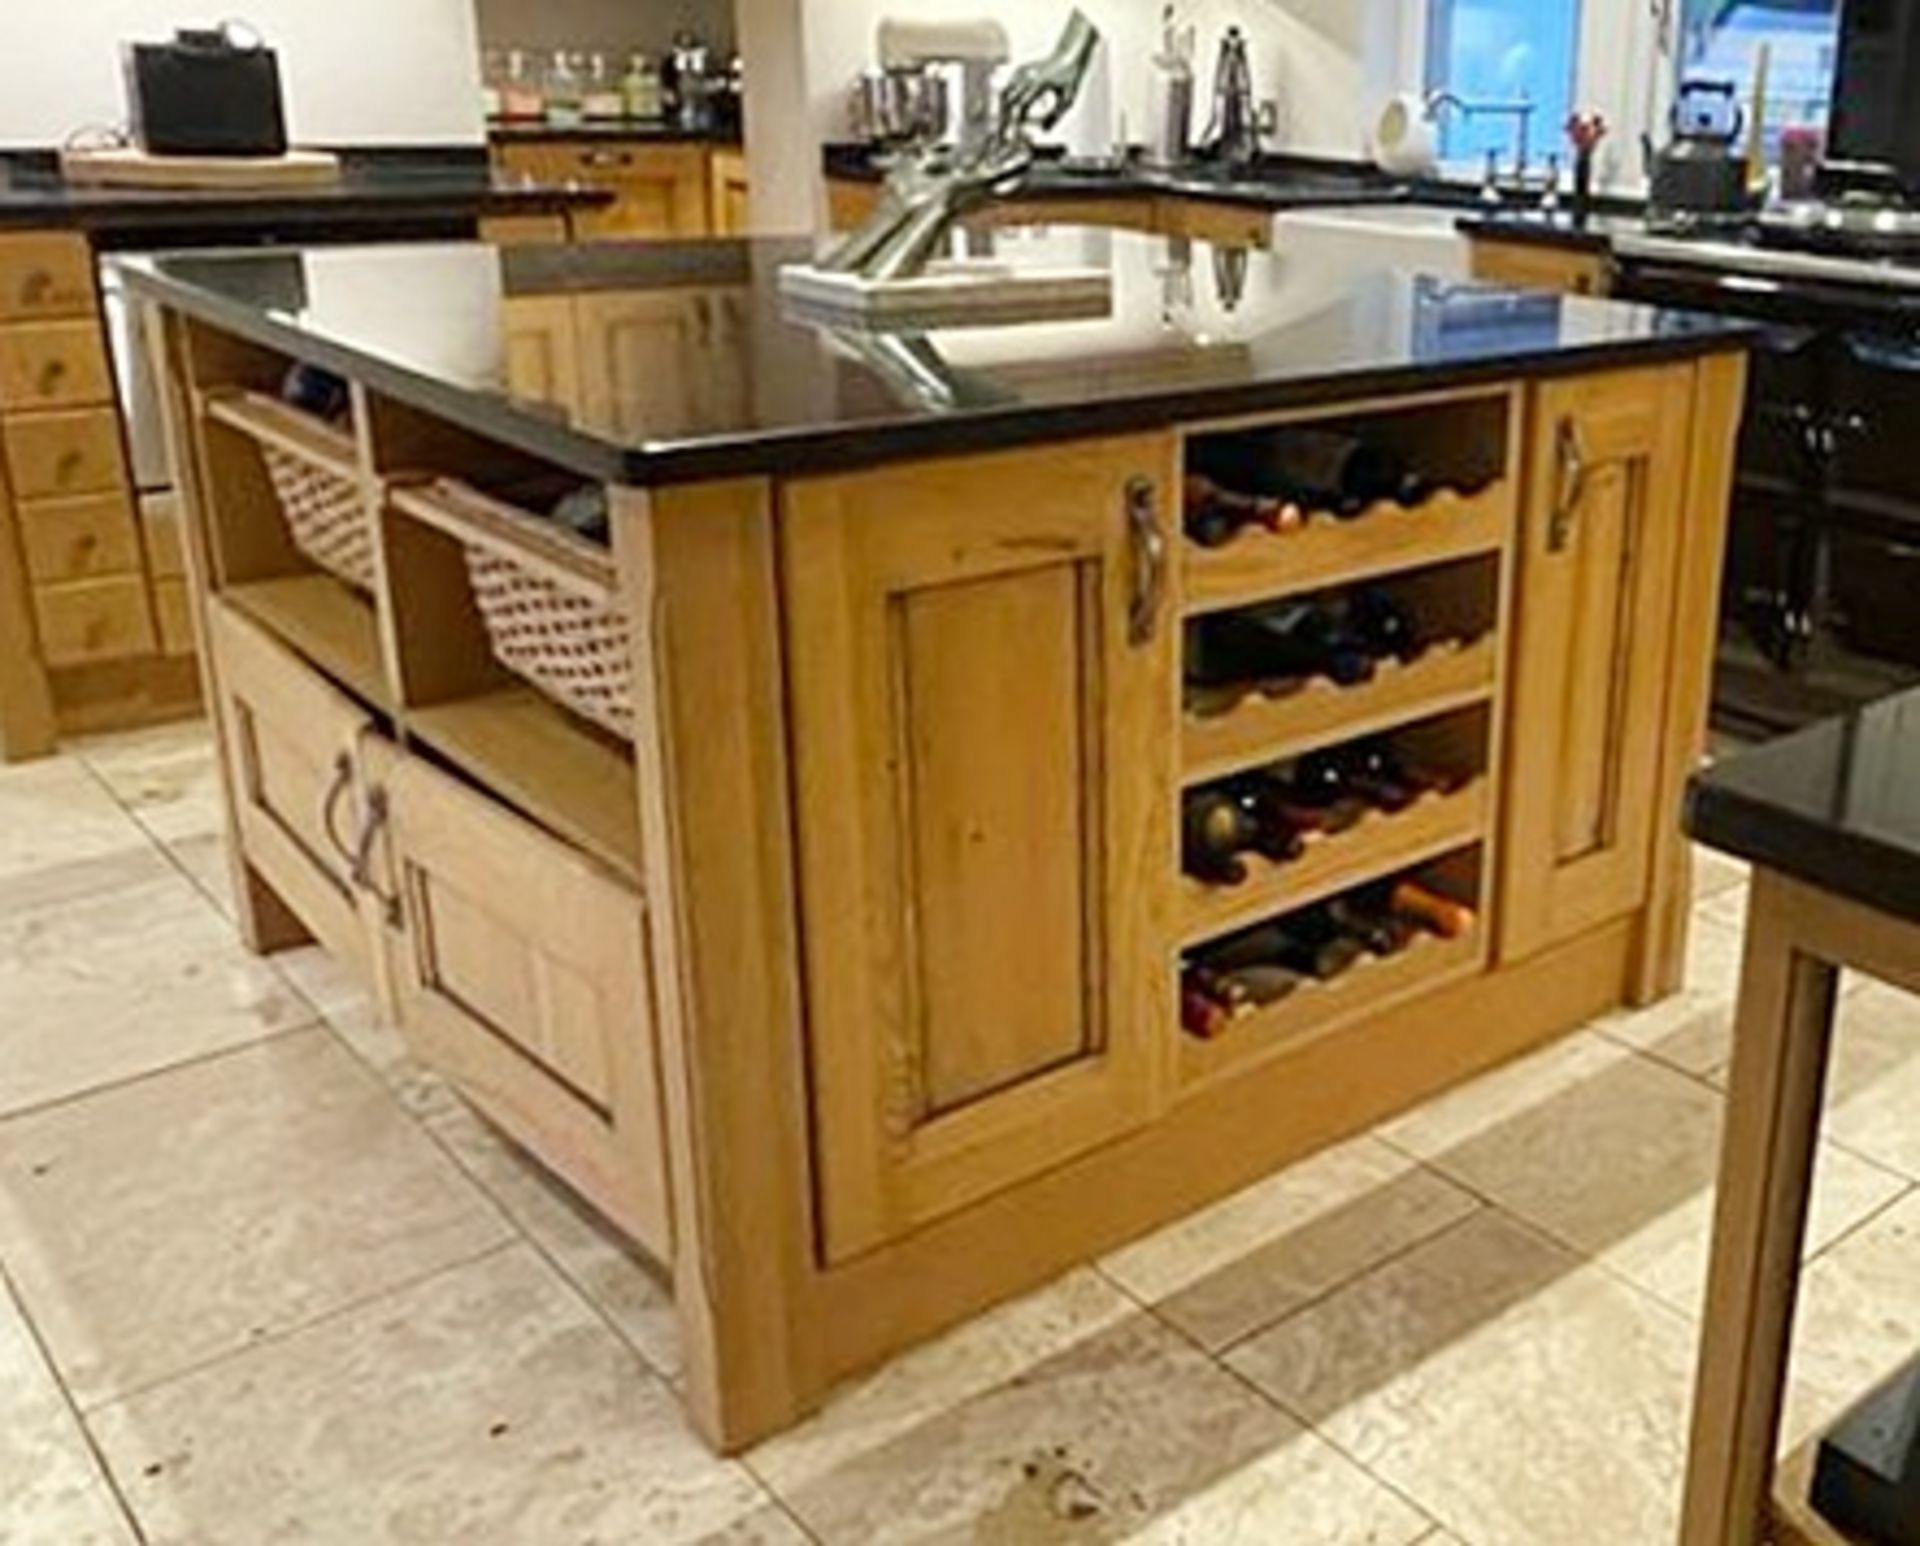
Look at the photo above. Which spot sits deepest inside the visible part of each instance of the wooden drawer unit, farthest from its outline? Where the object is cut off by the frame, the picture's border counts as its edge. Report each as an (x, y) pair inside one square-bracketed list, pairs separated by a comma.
[(89, 621), (294, 751), (52, 455), (53, 365), (524, 979), (79, 539), (1534, 267), (45, 274), (659, 190)]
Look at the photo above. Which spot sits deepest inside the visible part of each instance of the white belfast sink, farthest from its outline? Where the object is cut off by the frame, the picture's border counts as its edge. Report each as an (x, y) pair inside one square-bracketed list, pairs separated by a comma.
[(1423, 237)]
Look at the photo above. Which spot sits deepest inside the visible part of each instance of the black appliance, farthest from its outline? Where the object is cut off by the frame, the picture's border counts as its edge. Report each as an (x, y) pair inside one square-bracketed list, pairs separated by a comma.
[(1699, 172), (1823, 559), (1876, 106), (206, 94)]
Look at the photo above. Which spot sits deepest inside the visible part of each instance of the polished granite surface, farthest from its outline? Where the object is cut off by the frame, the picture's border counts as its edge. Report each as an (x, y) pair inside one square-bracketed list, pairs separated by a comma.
[(1837, 805), (696, 365)]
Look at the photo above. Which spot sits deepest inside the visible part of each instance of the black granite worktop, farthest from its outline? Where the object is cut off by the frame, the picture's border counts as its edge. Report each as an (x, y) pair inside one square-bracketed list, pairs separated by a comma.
[(377, 192), (1836, 806), (756, 387), (649, 131)]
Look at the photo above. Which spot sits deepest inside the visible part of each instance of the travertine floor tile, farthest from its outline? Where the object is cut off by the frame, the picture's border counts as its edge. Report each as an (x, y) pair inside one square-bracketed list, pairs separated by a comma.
[(323, 982), (1715, 873), (1873, 1088), (1517, 1394), (1693, 1030), (204, 859), (62, 837), (1244, 1263), (629, 1294), (168, 777), (113, 987), (1126, 1434), (486, 1405), (51, 1491), (1858, 1319), (152, 1227), (1615, 1155)]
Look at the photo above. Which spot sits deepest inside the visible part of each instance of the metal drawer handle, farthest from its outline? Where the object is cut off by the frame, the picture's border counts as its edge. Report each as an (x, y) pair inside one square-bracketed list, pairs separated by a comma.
[(607, 158), (373, 821), (337, 791), (1570, 476), (1149, 546)]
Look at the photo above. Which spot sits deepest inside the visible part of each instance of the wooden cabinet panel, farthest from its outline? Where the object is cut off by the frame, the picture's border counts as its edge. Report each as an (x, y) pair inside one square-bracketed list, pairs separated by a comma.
[(543, 353), (173, 616), (652, 362), (1599, 561), (728, 191), (659, 190), (294, 749), (1531, 266), (53, 365), (45, 274), (79, 539), (983, 709), (87, 621), (55, 454), (523, 977)]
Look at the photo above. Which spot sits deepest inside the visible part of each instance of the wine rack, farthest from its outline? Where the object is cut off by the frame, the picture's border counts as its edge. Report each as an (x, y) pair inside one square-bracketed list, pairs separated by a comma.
[(1446, 559)]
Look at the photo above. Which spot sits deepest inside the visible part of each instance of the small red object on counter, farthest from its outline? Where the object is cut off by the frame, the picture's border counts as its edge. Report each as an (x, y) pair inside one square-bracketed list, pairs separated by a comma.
[(1586, 131)]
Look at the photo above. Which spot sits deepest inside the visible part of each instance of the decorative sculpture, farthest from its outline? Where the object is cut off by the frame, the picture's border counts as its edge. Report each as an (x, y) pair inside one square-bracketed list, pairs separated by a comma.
[(937, 185)]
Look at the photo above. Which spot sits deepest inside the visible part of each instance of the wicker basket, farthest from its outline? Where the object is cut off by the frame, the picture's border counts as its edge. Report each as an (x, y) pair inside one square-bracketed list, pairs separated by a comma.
[(572, 646), (326, 514)]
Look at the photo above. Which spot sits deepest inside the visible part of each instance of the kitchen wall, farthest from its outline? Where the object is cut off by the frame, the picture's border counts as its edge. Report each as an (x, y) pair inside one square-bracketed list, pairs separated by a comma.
[(356, 72), (622, 25)]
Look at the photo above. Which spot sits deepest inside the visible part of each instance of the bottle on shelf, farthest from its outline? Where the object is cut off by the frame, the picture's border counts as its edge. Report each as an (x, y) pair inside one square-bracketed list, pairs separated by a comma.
[(1379, 929), (1384, 625), (1279, 804), (1433, 911), (1307, 943), (1318, 469), (1216, 828), (1286, 640), (1215, 515)]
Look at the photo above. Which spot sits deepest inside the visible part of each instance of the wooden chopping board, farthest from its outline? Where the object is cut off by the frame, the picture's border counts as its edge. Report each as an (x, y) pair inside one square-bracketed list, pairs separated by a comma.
[(137, 169)]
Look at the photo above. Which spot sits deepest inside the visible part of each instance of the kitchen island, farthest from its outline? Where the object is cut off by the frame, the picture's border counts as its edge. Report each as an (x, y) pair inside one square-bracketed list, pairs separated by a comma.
[(792, 860)]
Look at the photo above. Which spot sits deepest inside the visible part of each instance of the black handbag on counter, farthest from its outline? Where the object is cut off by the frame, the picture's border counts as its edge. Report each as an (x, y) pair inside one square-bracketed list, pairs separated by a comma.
[(206, 94)]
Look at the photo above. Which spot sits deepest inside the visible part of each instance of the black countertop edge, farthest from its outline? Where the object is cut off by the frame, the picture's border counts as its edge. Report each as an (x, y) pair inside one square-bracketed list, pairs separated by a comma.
[(641, 130), (1562, 232), (1817, 853), (769, 453)]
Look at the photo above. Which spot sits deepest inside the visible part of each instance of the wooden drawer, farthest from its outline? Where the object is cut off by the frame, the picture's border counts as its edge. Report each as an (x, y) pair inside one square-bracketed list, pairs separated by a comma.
[(57, 454), (173, 612), (294, 749), (45, 274), (87, 538), (53, 365), (524, 980), (94, 620), (659, 191)]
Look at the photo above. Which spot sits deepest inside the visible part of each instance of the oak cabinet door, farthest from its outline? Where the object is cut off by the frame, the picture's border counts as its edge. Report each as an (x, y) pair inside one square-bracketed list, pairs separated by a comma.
[(638, 354), (983, 692), (1593, 650), (522, 975)]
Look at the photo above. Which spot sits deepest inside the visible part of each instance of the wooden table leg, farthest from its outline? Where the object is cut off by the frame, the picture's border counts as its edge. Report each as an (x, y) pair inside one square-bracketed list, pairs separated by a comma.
[(1783, 1031)]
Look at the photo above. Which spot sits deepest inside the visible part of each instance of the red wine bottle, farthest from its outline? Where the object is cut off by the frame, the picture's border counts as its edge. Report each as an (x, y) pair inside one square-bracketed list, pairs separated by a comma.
[(1317, 469), (1216, 828), (1384, 625), (1378, 928), (1215, 515), (1288, 640), (1278, 806)]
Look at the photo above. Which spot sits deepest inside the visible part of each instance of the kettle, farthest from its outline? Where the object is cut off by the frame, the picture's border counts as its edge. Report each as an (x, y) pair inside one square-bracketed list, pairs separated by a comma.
[(1699, 172)]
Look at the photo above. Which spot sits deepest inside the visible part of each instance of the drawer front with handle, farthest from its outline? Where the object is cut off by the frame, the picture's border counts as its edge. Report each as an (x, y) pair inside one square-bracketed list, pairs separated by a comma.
[(88, 538), (525, 981), (45, 274), (294, 749), (53, 365), (89, 621), (53, 455)]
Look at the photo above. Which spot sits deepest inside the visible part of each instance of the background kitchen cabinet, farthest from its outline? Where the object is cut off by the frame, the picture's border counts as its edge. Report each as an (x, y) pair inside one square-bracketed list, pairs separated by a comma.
[(660, 191)]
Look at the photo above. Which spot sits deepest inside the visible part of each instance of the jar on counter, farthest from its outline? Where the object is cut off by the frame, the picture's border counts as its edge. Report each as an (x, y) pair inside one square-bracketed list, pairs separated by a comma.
[(566, 90), (522, 98), (602, 98), (642, 89), (493, 74)]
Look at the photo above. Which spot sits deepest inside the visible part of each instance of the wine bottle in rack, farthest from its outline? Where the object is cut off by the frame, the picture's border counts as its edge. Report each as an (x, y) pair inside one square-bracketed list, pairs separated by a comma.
[(1384, 625), (1308, 944), (1435, 912), (1284, 641), (1378, 928), (1318, 469), (1216, 829), (1215, 514)]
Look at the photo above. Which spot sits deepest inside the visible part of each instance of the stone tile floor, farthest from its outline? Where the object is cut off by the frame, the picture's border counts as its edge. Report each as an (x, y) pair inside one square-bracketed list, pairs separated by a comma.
[(263, 1278)]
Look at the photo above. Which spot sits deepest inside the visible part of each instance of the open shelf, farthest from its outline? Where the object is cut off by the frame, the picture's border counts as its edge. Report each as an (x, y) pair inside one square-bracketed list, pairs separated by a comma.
[(286, 428), (536, 756), (1259, 565), (1312, 714), (326, 622), (1378, 846), (1316, 1008)]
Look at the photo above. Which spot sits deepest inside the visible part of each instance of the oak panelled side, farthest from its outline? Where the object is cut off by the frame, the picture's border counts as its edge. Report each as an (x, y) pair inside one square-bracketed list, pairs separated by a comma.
[(982, 697)]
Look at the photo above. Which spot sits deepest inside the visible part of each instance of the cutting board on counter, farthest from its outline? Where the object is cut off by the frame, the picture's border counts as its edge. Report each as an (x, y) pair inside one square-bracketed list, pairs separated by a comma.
[(137, 169)]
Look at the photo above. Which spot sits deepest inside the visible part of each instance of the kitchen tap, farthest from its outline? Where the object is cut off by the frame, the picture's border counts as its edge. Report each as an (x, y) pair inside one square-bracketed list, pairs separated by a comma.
[(1520, 110)]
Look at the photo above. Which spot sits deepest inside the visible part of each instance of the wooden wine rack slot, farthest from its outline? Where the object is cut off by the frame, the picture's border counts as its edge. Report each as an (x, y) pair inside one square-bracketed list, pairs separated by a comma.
[(286, 428), (1319, 712), (327, 623), (1378, 846), (1315, 1009), (1259, 565)]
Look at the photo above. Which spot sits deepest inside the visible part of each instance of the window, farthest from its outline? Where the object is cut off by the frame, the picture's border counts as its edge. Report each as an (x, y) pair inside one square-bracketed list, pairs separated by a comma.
[(1720, 40), (1492, 52)]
